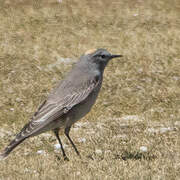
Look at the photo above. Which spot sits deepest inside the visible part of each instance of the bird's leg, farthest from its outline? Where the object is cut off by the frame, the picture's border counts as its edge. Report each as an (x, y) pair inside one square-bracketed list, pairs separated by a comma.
[(56, 132), (67, 129)]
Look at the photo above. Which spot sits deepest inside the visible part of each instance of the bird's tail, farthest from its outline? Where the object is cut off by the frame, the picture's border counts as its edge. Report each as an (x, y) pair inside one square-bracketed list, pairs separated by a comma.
[(10, 147)]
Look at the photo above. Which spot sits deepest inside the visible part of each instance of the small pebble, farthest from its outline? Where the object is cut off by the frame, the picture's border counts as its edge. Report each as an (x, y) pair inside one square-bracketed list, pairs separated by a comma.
[(82, 140), (18, 99), (143, 149), (57, 146), (135, 14), (98, 151), (165, 129), (40, 152)]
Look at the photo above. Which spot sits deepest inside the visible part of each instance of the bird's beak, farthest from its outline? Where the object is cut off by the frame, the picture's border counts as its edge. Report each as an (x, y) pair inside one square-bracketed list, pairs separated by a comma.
[(116, 56)]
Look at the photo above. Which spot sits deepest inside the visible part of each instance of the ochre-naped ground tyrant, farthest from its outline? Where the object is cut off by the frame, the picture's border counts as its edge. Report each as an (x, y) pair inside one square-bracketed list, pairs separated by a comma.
[(71, 100)]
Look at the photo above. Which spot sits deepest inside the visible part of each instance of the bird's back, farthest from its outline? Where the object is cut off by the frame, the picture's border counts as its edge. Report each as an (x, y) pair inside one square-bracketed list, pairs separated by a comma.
[(77, 79)]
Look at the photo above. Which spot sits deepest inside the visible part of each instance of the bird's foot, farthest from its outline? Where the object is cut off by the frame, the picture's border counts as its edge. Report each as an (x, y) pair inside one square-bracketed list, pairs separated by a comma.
[(66, 158)]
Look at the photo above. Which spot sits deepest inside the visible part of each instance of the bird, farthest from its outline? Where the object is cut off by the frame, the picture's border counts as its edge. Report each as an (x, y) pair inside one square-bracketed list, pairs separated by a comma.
[(68, 102)]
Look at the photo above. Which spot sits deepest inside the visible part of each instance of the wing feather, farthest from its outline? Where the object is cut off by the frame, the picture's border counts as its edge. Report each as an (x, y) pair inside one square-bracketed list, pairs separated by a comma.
[(49, 111)]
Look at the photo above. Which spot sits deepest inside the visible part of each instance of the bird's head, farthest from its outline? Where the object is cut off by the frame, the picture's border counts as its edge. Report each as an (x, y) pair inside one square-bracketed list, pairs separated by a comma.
[(101, 57)]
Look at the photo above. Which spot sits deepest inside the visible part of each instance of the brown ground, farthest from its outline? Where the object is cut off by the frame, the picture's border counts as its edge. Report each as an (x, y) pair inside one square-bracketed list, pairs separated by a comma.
[(139, 104)]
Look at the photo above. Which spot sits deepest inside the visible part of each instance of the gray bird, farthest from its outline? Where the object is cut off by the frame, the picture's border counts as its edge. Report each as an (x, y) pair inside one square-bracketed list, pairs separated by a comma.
[(71, 100)]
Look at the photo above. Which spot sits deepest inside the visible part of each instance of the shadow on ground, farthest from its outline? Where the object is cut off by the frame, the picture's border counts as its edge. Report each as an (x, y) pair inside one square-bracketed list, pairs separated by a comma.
[(126, 155)]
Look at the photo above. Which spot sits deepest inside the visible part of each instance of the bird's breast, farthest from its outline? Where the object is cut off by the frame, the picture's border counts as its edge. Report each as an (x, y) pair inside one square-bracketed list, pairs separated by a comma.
[(81, 109)]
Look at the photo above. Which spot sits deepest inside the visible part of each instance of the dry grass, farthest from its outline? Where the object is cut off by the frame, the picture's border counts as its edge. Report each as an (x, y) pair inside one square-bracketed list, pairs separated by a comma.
[(140, 94)]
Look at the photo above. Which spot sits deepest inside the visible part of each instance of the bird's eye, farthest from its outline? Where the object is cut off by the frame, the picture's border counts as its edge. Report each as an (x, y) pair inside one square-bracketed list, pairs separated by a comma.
[(103, 56)]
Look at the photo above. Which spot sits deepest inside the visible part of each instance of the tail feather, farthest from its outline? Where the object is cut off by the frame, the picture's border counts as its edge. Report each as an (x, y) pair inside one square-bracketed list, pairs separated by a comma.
[(10, 147), (20, 137), (27, 131)]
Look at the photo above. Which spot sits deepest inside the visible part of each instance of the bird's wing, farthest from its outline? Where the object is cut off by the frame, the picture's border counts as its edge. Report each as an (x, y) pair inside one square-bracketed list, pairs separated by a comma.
[(50, 111)]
